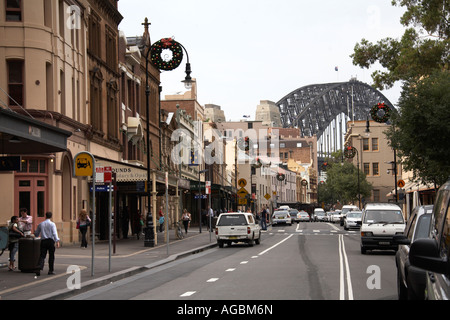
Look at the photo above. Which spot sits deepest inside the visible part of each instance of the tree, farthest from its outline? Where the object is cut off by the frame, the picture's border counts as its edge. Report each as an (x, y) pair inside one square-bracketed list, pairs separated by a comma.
[(421, 59), (421, 130), (342, 182), (423, 48)]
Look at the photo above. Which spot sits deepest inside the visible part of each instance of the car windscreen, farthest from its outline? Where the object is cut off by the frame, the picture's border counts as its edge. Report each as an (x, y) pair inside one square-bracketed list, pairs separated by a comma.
[(232, 220), (354, 215), (383, 216), (280, 213)]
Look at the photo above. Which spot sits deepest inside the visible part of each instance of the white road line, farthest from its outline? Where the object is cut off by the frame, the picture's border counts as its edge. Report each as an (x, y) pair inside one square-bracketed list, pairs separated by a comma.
[(188, 294), (244, 262), (344, 261), (212, 280), (277, 244), (230, 270)]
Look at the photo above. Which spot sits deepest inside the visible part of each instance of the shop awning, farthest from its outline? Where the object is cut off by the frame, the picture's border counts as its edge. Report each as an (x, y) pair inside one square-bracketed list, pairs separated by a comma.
[(21, 134)]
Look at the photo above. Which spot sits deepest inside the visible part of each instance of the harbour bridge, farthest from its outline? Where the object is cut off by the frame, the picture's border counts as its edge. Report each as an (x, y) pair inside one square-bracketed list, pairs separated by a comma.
[(324, 109)]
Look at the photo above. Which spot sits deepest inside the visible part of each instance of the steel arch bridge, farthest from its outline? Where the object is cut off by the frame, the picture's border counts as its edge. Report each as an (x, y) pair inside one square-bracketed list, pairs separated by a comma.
[(313, 108)]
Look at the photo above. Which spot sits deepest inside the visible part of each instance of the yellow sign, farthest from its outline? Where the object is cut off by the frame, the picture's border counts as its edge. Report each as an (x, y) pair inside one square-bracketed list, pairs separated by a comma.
[(84, 164), (400, 183), (242, 193), (242, 201), (242, 183), (267, 196)]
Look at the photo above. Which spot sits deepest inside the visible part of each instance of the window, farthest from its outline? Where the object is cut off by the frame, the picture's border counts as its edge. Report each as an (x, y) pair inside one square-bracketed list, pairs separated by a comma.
[(94, 35), (376, 195), (365, 144), (15, 82), (374, 144), (366, 168), (13, 10), (375, 169)]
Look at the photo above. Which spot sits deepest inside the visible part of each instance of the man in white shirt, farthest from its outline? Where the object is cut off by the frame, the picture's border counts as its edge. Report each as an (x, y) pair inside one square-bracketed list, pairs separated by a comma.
[(49, 236)]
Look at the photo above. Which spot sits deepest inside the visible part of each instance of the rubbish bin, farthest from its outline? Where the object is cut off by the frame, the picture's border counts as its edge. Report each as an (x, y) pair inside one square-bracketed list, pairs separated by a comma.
[(29, 252)]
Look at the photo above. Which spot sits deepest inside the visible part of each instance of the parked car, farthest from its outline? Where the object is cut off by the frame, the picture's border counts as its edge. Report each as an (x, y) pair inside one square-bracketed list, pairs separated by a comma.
[(432, 253), (293, 213), (345, 210), (411, 281), (379, 223), (236, 227), (302, 216), (353, 220), (281, 217)]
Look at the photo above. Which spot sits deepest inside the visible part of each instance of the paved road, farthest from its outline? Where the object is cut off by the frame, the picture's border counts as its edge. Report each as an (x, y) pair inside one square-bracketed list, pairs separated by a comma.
[(318, 261)]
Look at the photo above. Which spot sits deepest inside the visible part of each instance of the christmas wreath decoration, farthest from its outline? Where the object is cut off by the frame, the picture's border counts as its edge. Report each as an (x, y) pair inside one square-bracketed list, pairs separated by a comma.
[(258, 163), (281, 176), (376, 109), (166, 54), (349, 152)]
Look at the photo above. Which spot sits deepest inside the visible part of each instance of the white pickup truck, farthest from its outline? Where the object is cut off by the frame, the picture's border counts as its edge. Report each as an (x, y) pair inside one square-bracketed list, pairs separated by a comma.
[(237, 227)]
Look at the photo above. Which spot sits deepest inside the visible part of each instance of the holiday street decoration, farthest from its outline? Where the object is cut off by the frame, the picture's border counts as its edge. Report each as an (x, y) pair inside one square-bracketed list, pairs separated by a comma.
[(281, 176), (349, 152), (166, 54), (258, 163), (383, 109)]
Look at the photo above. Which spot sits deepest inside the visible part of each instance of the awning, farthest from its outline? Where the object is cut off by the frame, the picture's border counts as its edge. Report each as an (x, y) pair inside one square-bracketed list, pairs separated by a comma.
[(21, 134), (125, 172)]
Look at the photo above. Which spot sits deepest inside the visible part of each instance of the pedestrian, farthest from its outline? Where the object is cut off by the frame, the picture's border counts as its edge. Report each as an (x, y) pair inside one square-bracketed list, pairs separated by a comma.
[(49, 238), (210, 215), (82, 224), (14, 234), (161, 219), (25, 221), (186, 218), (264, 218)]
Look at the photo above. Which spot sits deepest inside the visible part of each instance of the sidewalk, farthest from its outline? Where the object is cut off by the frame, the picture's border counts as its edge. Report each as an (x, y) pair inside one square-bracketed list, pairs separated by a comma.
[(131, 257)]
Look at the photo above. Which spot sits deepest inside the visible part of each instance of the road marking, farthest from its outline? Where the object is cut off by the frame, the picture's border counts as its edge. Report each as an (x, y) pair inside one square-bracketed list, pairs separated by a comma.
[(343, 260), (244, 262), (316, 231), (254, 257), (212, 280), (230, 270), (277, 244), (188, 294)]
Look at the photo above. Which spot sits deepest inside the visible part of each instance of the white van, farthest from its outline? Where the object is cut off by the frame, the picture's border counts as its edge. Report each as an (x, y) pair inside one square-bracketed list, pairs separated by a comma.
[(379, 223)]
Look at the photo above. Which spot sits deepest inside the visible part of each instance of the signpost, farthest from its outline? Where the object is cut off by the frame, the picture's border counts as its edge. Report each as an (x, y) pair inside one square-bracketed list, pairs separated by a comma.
[(85, 167)]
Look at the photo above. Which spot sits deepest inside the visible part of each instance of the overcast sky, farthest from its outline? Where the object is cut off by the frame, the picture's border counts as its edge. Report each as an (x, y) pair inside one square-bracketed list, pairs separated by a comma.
[(244, 51)]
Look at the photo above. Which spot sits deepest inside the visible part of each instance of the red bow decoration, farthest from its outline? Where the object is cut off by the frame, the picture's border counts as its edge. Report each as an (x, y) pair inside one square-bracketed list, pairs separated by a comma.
[(166, 42)]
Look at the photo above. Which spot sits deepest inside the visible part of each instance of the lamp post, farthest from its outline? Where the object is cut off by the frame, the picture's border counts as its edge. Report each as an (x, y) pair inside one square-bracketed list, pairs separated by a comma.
[(150, 227)]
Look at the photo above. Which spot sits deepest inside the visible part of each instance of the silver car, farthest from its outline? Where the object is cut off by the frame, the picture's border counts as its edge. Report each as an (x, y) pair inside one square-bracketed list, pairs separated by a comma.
[(302, 216), (352, 220), (281, 217)]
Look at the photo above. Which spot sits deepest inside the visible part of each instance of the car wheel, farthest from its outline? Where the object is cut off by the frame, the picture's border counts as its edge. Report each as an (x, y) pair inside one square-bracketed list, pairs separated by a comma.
[(220, 243), (402, 291), (258, 241)]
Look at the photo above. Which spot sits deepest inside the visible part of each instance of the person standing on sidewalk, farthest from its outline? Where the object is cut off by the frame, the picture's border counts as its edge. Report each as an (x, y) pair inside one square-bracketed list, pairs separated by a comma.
[(25, 221), (186, 217), (49, 237), (14, 234)]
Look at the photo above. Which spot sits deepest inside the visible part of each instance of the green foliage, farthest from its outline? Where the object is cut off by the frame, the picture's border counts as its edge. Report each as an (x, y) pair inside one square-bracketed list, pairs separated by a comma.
[(423, 48), (421, 131)]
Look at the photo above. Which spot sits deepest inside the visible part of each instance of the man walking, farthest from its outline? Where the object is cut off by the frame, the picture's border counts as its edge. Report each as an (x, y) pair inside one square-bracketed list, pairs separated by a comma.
[(49, 236), (264, 214)]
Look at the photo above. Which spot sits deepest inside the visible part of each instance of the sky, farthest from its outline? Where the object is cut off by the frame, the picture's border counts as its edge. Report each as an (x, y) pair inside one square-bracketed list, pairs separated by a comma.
[(245, 51)]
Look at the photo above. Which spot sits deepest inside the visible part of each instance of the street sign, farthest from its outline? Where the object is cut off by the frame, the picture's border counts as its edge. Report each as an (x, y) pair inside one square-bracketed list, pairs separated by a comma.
[(208, 187), (242, 183), (103, 174), (267, 196), (242, 201), (83, 164), (242, 193), (400, 183)]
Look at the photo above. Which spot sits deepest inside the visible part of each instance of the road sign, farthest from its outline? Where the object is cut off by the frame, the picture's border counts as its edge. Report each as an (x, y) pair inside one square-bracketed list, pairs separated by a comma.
[(267, 196), (242, 201), (400, 183), (83, 164), (208, 187), (242, 183), (242, 193)]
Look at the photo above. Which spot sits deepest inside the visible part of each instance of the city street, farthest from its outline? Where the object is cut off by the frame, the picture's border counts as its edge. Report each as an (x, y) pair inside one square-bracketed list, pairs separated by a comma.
[(318, 261)]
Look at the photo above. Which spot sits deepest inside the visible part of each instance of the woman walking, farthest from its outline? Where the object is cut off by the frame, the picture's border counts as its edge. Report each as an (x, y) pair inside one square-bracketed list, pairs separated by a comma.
[(14, 234), (83, 223), (186, 218)]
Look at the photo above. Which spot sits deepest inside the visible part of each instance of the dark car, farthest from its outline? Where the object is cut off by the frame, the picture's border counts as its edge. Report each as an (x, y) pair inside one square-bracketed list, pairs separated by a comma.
[(432, 254), (411, 280)]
